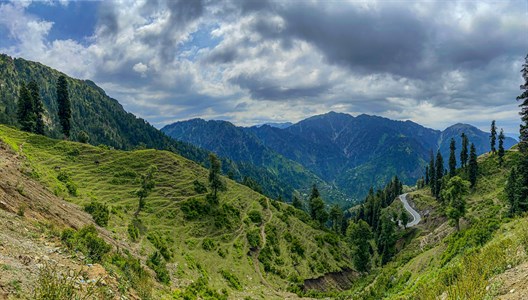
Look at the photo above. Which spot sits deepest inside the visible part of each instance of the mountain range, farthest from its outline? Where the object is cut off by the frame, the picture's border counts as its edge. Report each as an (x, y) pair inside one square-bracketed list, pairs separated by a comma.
[(350, 154)]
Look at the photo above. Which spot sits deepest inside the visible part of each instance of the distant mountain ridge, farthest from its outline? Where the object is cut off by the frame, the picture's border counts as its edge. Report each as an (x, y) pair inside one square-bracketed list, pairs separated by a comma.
[(348, 153)]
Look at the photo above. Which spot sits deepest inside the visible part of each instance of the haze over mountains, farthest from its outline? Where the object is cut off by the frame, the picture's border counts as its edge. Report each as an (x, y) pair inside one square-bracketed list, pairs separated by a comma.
[(348, 153)]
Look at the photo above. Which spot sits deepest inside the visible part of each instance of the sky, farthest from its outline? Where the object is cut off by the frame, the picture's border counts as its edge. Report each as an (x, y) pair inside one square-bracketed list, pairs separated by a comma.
[(249, 62)]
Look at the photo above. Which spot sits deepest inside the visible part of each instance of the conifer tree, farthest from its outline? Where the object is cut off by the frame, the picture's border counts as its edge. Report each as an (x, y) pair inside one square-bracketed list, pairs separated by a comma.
[(147, 184), (432, 174), (296, 202), (63, 101), (386, 239), (452, 158), (439, 173), (513, 191), (473, 166), (501, 147), (336, 216), (456, 189), (523, 138), (493, 137), (464, 151), (215, 181), (38, 107), (315, 192), (404, 218), (25, 113), (318, 211), (358, 235), (426, 175)]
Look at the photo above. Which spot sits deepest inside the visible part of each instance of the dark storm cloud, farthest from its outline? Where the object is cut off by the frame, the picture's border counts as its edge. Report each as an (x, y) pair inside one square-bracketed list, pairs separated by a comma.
[(107, 22), (263, 89)]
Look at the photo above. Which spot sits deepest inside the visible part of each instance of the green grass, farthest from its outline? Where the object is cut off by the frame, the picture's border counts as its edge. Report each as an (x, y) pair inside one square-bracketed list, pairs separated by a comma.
[(168, 224)]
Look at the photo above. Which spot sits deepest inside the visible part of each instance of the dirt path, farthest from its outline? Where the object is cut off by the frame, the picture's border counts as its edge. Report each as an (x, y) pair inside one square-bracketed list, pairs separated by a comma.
[(256, 263)]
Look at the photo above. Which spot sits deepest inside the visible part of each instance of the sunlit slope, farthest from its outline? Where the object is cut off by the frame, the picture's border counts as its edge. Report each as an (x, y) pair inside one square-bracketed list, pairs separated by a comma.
[(202, 239)]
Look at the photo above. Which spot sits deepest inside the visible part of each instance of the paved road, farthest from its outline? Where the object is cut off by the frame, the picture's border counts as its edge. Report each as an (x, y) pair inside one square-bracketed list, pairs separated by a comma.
[(414, 213)]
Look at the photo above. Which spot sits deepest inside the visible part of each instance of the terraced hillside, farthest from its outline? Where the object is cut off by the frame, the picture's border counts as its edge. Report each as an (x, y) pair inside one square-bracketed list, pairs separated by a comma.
[(246, 245)]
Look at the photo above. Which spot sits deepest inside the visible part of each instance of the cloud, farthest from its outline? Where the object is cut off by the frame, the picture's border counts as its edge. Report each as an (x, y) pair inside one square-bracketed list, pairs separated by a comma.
[(434, 62)]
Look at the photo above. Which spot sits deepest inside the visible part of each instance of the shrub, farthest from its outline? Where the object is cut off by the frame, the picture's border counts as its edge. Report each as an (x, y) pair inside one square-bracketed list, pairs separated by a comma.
[(87, 241), (157, 264), (194, 208), (255, 216), (253, 238), (199, 187), (133, 232), (99, 211), (208, 244), (161, 245), (232, 280)]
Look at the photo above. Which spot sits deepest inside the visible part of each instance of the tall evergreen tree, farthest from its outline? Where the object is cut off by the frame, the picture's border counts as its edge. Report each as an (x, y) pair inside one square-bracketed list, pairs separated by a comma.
[(147, 184), (25, 113), (38, 107), (336, 216), (523, 138), (473, 166), (513, 191), (452, 158), (358, 235), (426, 175), (386, 238), (454, 194), (501, 147), (493, 137), (318, 211), (464, 151), (63, 101), (296, 202), (315, 192), (439, 173), (432, 173), (215, 180)]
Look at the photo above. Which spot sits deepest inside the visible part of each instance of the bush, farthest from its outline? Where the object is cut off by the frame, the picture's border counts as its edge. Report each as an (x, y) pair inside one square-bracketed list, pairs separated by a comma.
[(99, 211), (199, 187), (232, 280), (208, 244), (194, 208), (87, 241), (253, 238), (161, 245), (133, 231), (255, 216), (157, 264)]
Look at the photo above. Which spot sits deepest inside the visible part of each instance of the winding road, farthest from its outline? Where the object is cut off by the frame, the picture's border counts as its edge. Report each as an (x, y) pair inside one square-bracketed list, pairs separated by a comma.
[(416, 216)]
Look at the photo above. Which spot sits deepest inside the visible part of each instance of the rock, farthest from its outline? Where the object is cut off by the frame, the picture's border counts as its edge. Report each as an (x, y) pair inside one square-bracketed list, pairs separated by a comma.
[(512, 291), (72, 273), (508, 266), (39, 266)]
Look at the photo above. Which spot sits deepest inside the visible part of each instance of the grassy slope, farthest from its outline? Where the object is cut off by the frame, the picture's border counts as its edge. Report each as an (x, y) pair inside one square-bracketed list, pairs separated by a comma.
[(464, 265), (114, 179)]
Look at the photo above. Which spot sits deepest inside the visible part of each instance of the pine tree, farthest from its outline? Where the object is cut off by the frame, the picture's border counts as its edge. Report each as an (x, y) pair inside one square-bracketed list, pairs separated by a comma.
[(147, 184), (63, 101), (404, 218), (432, 174), (473, 166), (426, 175), (336, 216), (358, 235), (493, 137), (501, 147), (318, 211), (456, 189), (452, 158), (439, 173), (297, 202), (513, 191), (464, 152), (215, 181), (25, 113), (38, 107), (523, 138), (387, 239), (315, 192)]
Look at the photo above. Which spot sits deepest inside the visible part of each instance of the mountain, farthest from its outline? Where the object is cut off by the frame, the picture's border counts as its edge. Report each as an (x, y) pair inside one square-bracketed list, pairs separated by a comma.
[(349, 153), (244, 245), (244, 148), (276, 125), (107, 123)]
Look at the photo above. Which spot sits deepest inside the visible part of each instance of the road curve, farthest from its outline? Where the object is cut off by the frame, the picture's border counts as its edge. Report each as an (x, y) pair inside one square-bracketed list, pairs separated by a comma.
[(414, 213)]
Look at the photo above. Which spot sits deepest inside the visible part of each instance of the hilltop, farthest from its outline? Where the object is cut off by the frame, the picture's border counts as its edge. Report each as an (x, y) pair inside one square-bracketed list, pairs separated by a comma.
[(246, 245)]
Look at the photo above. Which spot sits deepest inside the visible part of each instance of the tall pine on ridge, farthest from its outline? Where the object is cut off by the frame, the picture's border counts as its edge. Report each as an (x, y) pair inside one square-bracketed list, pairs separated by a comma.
[(26, 115), (493, 137), (439, 173), (63, 100), (432, 174), (501, 147), (38, 107), (473, 166), (452, 158), (464, 152), (523, 138)]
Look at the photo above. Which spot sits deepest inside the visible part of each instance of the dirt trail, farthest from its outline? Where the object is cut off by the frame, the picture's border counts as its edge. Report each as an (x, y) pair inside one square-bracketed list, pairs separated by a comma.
[(256, 263)]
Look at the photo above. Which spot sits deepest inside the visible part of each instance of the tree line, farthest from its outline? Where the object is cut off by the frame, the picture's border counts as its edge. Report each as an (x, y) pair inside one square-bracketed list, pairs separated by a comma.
[(30, 113)]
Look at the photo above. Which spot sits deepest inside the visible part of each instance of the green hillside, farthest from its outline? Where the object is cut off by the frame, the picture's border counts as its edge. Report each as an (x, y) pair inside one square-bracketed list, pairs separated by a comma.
[(481, 261), (245, 244)]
